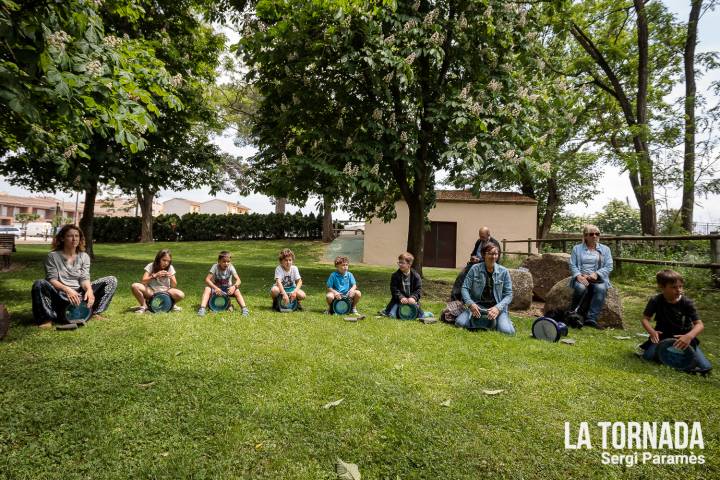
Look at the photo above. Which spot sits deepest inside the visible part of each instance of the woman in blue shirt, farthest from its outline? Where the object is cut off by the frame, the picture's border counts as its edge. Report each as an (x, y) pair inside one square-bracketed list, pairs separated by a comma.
[(590, 266), (488, 286)]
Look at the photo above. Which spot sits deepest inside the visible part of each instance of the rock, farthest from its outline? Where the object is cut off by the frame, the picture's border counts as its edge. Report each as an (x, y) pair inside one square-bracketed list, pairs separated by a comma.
[(522, 287), (560, 296), (546, 270)]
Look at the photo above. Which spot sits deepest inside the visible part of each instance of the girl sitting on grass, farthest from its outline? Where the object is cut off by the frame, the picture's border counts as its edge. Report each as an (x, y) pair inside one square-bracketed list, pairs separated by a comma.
[(159, 276)]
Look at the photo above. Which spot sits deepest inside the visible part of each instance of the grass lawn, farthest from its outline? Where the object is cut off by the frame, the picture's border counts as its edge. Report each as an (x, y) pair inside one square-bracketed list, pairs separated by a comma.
[(225, 396)]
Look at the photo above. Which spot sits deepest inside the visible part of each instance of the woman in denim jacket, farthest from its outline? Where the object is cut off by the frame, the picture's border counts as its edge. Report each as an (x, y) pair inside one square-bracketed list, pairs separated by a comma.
[(488, 286), (590, 266)]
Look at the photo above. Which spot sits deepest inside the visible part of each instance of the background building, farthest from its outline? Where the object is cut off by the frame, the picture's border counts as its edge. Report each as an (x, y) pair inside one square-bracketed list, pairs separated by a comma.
[(454, 224), (181, 206)]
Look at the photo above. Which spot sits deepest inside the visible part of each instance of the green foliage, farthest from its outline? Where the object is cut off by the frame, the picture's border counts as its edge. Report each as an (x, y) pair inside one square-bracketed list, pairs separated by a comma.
[(196, 226), (569, 223), (617, 217), (366, 102), (25, 218)]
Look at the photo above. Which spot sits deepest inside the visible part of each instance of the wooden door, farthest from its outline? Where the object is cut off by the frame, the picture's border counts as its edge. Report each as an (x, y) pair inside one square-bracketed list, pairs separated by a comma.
[(440, 243)]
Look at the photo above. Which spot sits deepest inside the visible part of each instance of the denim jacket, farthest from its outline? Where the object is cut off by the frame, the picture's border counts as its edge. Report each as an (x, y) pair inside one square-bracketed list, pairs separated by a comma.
[(474, 285), (606, 262)]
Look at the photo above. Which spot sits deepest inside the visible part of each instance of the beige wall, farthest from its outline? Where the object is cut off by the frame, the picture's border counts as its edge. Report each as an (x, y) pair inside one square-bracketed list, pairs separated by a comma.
[(217, 207), (385, 241), (177, 206)]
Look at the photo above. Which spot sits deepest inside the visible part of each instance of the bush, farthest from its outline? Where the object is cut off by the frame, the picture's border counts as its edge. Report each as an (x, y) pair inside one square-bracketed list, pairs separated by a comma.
[(199, 226)]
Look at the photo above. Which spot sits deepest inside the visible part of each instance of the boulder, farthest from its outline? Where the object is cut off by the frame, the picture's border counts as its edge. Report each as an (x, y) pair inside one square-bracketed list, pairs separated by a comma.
[(546, 270), (560, 296), (522, 287)]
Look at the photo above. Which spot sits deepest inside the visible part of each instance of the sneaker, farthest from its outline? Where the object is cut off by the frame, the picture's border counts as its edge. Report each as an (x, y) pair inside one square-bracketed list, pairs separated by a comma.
[(201, 311), (245, 311), (594, 324), (383, 313), (176, 308), (300, 307), (141, 310), (230, 309), (328, 312), (355, 312)]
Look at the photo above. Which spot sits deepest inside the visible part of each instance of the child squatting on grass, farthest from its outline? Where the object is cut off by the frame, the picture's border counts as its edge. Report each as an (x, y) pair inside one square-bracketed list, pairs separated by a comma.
[(218, 281), (675, 317), (341, 283), (405, 287), (287, 277), (159, 276)]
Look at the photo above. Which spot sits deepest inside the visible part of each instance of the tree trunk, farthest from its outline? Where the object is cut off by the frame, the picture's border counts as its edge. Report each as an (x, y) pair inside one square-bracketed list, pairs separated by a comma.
[(327, 227), (88, 215), (145, 198), (688, 199), (416, 230), (551, 207), (280, 204)]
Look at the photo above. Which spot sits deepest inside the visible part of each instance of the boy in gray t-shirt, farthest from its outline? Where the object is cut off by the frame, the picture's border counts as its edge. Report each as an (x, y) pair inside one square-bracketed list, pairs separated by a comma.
[(222, 279)]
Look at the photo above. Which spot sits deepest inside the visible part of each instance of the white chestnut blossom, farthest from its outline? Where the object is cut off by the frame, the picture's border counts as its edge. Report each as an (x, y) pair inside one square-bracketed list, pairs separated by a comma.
[(387, 78), (389, 40), (472, 143), (377, 114), (58, 39), (431, 17), (375, 170), (403, 137), (410, 24), (112, 41), (496, 131), (545, 167), (298, 151), (416, 5), (391, 121), (70, 151), (340, 123), (410, 58), (495, 86), (176, 80), (528, 151), (437, 38), (284, 159), (94, 68), (462, 22), (488, 11), (348, 142)]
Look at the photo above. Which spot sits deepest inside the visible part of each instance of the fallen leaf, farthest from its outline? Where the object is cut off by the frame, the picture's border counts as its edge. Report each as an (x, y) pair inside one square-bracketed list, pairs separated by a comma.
[(333, 404), (492, 392), (620, 337), (145, 385), (259, 446), (446, 403), (568, 341), (398, 366), (164, 454), (347, 471)]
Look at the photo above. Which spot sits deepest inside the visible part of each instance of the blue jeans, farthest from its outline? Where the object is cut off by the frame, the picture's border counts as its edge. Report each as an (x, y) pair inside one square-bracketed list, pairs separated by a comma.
[(597, 293), (504, 324), (702, 362)]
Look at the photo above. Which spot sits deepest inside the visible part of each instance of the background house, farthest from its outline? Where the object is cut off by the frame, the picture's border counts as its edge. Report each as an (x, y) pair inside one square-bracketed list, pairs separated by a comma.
[(455, 221), (181, 206)]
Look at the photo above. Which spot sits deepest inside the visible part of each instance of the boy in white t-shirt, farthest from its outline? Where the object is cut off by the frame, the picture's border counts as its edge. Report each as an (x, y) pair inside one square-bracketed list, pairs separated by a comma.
[(159, 276), (287, 277), (223, 280)]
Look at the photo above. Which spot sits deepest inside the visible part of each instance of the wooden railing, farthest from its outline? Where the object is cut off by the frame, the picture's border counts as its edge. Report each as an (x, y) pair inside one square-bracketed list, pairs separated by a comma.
[(616, 241)]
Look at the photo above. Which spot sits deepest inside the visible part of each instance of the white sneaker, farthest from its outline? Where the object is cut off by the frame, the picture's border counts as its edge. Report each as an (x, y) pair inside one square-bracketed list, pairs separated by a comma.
[(176, 308), (141, 310), (355, 312)]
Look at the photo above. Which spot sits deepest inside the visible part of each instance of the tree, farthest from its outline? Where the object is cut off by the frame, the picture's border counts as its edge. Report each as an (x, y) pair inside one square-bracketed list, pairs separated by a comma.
[(631, 60), (555, 168), (381, 97), (617, 217), (78, 96), (179, 153), (24, 218)]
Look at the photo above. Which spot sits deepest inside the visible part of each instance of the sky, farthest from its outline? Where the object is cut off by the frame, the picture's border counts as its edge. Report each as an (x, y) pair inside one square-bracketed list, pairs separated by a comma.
[(613, 185)]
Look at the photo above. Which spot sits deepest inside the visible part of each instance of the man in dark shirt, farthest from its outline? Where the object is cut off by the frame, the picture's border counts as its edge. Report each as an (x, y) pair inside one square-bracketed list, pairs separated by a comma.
[(484, 238), (675, 317)]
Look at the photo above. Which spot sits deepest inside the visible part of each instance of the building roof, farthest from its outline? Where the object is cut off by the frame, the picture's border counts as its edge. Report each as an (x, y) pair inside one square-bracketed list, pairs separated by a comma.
[(36, 202), (483, 197), (237, 204)]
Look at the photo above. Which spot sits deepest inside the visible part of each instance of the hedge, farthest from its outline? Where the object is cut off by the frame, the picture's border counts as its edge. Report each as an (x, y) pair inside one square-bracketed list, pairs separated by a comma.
[(200, 226)]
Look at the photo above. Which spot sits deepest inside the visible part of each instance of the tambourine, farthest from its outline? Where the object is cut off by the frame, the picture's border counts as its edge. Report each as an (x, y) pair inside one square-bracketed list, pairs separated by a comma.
[(161, 302), (408, 311), (219, 303), (675, 357), (291, 305), (483, 322), (548, 329), (78, 313), (341, 306)]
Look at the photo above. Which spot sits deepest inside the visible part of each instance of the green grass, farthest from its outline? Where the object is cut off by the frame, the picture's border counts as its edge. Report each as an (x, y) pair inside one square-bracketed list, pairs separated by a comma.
[(176, 395)]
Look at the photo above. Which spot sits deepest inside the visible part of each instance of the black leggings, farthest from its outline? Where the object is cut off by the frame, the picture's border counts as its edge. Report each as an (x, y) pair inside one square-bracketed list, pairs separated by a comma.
[(48, 304)]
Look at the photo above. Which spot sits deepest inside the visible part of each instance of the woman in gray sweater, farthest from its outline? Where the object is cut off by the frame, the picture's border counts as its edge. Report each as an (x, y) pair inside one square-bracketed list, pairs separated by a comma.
[(67, 281)]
